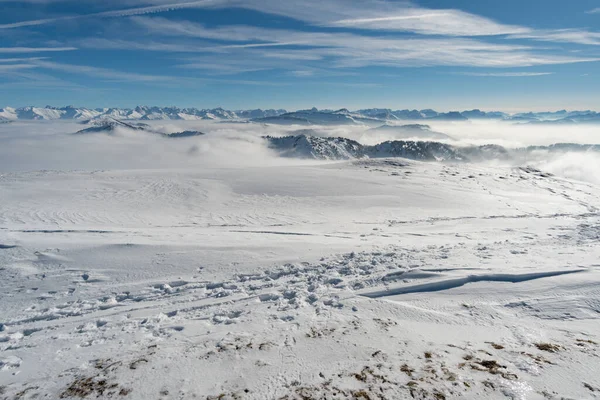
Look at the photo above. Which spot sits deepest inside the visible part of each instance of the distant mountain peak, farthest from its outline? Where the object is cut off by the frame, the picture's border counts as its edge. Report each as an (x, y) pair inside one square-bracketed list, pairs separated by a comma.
[(312, 116)]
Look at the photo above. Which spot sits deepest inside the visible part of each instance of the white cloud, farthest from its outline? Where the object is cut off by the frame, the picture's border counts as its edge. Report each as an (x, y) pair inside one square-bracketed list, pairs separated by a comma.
[(147, 45), (99, 72), (115, 75), (13, 60), (365, 14), (20, 50), (15, 67), (443, 38), (562, 35), (506, 74), (302, 73), (438, 22), (216, 68), (381, 15), (594, 11), (343, 50)]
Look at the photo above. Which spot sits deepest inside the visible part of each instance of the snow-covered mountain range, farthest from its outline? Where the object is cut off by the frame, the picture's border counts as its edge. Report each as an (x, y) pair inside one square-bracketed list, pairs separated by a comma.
[(138, 113), (337, 148), (372, 116)]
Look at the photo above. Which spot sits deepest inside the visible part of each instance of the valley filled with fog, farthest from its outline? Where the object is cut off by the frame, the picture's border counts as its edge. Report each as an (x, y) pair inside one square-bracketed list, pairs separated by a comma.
[(56, 144), (314, 254)]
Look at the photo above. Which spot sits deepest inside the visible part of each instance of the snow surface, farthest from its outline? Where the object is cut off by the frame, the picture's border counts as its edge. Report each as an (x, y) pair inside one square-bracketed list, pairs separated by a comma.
[(128, 273)]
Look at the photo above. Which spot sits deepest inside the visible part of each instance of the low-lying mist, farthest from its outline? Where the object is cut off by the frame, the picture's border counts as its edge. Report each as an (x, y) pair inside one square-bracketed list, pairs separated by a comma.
[(54, 146), (44, 145)]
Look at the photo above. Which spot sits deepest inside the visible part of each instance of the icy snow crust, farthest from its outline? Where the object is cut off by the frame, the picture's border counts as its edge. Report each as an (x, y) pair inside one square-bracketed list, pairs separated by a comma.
[(369, 279)]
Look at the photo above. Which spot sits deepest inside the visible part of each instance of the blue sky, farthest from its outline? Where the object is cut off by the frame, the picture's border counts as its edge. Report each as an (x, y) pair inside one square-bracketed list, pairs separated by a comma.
[(460, 54)]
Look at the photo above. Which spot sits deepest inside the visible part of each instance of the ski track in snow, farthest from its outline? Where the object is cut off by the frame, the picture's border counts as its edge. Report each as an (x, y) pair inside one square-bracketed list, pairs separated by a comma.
[(299, 282)]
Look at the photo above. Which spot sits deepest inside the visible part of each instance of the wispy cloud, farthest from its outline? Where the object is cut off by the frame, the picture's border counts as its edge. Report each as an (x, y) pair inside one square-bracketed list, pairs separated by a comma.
[(145, 45), (366, 14), (216, 68), (97, 72), (562, 35), (344, 50), (594, 11), (21, 50), (15, 67), (129, 77), (113, 13), (426, 22), (302, 73), (380, 15), (505, 74), (366, 33), (27, 59)]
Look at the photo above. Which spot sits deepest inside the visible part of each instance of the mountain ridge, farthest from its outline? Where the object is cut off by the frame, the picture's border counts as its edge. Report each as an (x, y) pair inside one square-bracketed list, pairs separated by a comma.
[(314, 116), (339, 148)]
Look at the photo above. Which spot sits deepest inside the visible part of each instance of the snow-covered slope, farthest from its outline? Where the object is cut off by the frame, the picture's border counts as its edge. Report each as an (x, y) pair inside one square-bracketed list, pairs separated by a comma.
[(8, 113), (37, 113), (369, 279), (109, 125), (303, 146), (423, 151)]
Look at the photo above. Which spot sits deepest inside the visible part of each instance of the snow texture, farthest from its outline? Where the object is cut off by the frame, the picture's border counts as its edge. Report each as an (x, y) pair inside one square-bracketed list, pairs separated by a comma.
[(209, 267)]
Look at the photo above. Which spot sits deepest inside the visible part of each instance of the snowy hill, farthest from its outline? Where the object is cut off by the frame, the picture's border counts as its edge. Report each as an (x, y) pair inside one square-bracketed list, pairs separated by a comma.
[(421, 151), (335, 148), (303, 146), (486, 152), (109, 125), (370, 279)]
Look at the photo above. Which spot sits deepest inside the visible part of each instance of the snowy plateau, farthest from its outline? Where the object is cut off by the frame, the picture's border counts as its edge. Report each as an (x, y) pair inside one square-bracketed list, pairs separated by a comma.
[(165, 253)]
